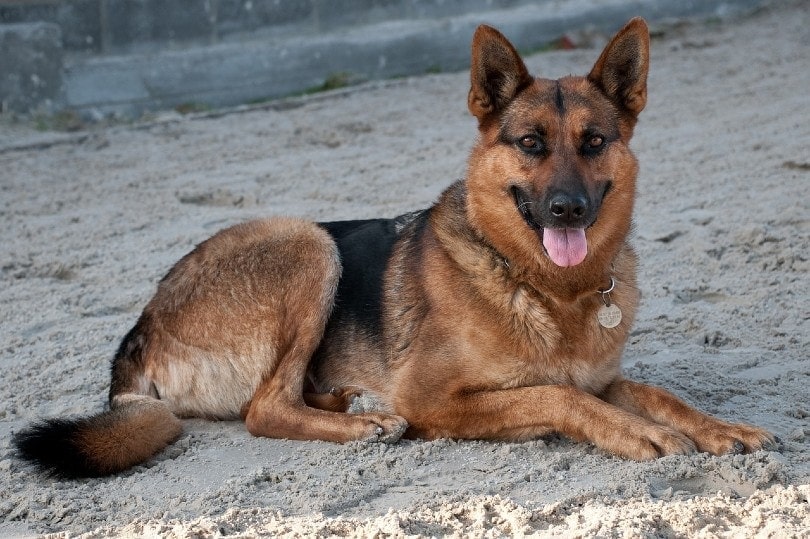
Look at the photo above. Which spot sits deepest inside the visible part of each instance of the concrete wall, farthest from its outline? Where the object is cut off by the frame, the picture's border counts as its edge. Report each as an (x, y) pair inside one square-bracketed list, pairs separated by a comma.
[(30, 66), (123, 26), (98, 57)]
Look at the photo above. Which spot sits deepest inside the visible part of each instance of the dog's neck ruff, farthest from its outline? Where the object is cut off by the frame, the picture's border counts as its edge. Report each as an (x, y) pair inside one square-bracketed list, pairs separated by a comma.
[(504, 262)]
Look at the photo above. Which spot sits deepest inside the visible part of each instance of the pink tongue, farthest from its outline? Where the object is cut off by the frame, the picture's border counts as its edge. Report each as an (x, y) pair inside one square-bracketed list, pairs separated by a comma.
[(565, 246)]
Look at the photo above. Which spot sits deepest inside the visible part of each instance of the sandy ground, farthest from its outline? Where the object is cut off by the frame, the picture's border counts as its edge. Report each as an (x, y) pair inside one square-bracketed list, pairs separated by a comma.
[(90, 221)]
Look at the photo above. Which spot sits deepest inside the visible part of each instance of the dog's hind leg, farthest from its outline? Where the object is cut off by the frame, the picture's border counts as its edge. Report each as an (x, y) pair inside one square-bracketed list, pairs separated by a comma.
[(278, 407)]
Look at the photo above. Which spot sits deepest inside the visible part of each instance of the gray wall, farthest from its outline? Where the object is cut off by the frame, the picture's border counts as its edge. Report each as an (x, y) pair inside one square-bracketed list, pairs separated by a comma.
[(125, 57), (121, 26)]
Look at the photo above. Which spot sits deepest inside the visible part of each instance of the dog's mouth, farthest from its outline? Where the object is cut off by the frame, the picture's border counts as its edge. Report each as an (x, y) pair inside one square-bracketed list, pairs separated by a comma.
[(565, 247)]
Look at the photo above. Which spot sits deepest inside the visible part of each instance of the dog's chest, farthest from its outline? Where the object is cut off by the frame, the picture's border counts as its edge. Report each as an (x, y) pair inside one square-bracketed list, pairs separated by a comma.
[(562, 345), (589, 374)]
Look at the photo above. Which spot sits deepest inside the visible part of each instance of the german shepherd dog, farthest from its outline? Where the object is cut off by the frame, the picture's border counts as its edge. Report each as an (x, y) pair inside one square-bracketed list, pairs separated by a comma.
[(498, 313)]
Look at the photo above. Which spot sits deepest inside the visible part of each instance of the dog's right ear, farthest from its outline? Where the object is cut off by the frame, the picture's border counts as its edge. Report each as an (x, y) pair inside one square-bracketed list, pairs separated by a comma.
[(497, 73)]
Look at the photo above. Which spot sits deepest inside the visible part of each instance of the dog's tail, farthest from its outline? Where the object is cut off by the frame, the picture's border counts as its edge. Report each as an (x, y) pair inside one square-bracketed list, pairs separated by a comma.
[(134, 429), (136, 426)]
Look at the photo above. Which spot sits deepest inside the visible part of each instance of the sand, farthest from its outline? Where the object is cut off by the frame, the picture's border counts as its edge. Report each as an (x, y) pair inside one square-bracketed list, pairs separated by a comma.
[(90, 220)]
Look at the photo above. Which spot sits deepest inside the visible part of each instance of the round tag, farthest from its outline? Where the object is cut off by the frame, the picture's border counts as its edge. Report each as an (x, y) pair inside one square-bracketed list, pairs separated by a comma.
[(609, 316)]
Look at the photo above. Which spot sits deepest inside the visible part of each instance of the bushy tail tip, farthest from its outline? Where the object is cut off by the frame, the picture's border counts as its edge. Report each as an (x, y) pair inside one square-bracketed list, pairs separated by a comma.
[(102, 444)]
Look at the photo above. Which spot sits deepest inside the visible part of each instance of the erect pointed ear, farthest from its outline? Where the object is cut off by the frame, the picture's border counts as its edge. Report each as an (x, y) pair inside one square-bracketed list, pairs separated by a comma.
[(497, 73), (621, 71)]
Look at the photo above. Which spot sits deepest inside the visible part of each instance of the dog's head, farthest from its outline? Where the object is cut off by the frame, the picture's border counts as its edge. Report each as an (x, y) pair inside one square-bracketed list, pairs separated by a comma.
[(551, 177)]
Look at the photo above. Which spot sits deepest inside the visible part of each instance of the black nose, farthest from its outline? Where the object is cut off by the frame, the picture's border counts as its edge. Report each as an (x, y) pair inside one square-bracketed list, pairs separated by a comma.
[(568, 209)]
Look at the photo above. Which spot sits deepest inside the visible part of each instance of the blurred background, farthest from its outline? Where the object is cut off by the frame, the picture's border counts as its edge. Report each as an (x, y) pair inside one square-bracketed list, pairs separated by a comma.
[(93, 59)]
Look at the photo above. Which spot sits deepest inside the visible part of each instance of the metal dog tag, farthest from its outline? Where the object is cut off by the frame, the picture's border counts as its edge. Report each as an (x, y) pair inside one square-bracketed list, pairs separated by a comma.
[(609, 316)]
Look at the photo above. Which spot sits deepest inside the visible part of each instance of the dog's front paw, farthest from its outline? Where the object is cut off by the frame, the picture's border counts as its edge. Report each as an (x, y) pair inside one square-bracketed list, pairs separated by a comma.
[(721, 438), (650, 442)]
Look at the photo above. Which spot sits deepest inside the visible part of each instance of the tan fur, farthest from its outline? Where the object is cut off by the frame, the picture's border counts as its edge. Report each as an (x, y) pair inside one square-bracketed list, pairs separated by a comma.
[(482, 335), (488, 339), (132, 431), (246, 310)]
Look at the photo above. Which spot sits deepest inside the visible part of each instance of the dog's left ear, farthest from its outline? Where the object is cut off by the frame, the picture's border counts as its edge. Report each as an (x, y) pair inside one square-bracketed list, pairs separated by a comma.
[(621, 71), (497, 73)]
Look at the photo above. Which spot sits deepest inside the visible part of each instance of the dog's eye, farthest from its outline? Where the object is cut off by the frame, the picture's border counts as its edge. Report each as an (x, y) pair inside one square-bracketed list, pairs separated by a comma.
[(593, 144), (530, 143)]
